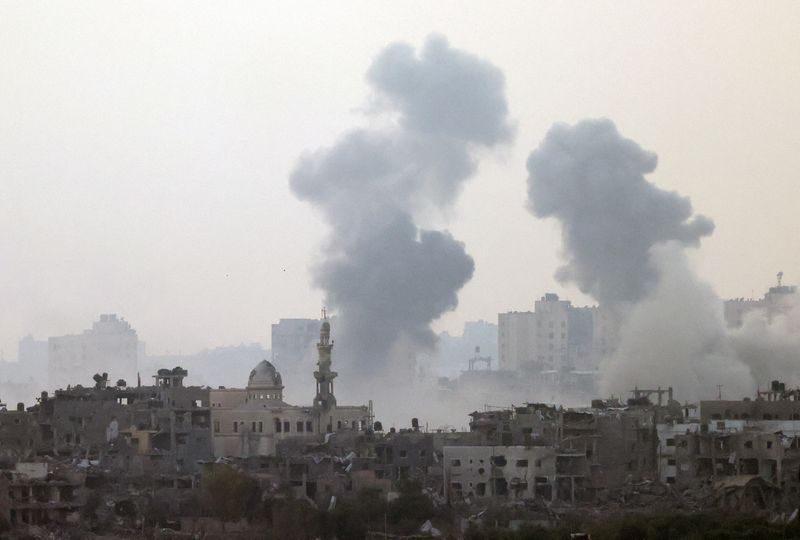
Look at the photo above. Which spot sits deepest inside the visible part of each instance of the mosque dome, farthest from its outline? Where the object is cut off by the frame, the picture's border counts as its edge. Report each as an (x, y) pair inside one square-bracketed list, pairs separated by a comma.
[(264, 375)]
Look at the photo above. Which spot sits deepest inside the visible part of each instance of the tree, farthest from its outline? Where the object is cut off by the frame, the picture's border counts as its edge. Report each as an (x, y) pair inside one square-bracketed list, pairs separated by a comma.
[(231, 494)]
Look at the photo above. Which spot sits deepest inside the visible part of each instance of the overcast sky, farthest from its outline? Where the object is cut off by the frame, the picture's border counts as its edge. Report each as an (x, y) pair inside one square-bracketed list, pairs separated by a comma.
[(145, 148)]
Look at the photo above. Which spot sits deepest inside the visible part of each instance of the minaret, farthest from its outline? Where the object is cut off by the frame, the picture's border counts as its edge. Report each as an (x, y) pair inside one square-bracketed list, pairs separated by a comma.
[(325, 399)]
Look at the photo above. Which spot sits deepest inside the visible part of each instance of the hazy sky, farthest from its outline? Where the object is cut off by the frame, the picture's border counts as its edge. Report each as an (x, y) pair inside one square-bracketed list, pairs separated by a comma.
[(145, 148)]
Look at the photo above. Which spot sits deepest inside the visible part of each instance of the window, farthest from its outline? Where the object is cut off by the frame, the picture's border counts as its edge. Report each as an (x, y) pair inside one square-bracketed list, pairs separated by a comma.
[(670, 442), (422, 453), (261, 427), (538, 463), (769, 444), (236, 427), (216, 426), (670, 479), (403, 453), (748, 444), (286, 426), (277, 425), (455, 463), (670, 462), (309, 426), (522, 463), (253, 427), (299, 426)]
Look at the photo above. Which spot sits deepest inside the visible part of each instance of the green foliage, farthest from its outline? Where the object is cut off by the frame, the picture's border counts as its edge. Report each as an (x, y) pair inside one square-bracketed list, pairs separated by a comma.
[(231, 495), (292, 519)]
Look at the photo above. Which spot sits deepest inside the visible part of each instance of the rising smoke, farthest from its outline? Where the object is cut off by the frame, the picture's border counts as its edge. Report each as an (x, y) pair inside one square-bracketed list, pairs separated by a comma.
[(387, 278), (624, 241), (592, 180), (768, 342)]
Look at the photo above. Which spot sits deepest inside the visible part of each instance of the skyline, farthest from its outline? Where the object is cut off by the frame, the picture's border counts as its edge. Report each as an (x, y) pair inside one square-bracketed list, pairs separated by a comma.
[(147, 165)]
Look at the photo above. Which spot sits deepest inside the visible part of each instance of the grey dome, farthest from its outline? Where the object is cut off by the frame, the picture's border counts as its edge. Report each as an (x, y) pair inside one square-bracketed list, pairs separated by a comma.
[(264, 375)]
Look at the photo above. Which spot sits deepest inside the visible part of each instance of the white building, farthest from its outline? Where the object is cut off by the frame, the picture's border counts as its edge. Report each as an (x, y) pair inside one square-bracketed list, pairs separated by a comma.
[(555, 337), (110, 346)]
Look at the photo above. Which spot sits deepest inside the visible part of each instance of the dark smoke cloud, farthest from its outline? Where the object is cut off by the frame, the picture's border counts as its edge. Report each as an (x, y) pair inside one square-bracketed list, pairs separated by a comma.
[(592, 180), (624, 240), (386, 278)]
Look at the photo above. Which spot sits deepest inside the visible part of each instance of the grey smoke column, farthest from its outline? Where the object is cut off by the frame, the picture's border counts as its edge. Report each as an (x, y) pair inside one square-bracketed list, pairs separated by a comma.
[(387, 278), (592, 180)]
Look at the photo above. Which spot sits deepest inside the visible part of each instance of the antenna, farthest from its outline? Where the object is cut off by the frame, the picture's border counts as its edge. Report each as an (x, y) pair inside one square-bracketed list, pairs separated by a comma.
[(324, 312), (719, 391), (780, 278)]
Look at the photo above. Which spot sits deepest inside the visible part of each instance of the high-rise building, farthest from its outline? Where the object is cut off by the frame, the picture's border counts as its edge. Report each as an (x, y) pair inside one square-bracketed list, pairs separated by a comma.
[(32, 356), (293, 340), (110, 346), (556, 336), (773, 303)]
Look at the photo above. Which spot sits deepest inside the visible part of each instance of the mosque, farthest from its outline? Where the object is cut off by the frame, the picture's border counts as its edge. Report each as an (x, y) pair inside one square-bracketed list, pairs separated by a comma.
[(251, 421)]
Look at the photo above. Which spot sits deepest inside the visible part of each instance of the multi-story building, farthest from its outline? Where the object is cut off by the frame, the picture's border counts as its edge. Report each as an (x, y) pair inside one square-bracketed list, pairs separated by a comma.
[(556, 336), (293, 340), (772, 304), (510, 472), (110, 346)]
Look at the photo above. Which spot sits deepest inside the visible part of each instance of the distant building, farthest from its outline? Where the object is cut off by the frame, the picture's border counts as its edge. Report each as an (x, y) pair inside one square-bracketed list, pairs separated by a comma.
[(110, 346), (293, 340), (556, 336), (773, 303), (32, 355), (455, 354)]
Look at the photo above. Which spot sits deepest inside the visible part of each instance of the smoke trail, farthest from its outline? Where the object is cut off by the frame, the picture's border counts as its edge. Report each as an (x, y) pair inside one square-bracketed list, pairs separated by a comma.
[(624, 241), (769, 343), (676, 336), (387, 278), (592, 180)]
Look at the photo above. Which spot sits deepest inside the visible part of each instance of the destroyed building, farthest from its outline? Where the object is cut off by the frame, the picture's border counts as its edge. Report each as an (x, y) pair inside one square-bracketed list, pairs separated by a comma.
[(165, 426), (32, 494), (751, 437)]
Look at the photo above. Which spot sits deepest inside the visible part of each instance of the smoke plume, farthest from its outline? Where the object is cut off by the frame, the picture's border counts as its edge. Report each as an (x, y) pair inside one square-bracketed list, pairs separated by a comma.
[(768, 342), (592, 180), (676, 336), (386, 278), (624, 241)]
